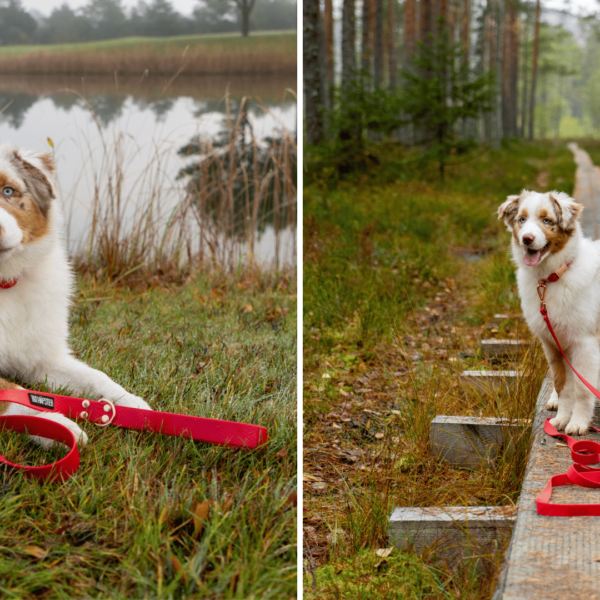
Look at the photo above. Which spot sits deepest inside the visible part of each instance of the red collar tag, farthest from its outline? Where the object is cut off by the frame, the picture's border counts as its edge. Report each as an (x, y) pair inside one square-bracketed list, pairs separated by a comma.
[(7, 284)]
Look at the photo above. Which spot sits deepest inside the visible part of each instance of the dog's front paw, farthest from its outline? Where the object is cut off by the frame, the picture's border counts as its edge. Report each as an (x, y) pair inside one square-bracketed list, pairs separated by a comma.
[(132, 402), (560, 422), (552, 404), (79, 434), (577, 427)]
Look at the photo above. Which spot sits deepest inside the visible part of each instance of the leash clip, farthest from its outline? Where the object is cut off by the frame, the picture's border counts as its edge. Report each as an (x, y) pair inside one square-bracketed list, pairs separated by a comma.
[(108, 407), (541, 290)]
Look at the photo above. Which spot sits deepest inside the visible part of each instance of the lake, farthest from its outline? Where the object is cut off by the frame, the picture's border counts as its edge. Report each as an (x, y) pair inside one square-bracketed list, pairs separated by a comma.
[(109, 132)]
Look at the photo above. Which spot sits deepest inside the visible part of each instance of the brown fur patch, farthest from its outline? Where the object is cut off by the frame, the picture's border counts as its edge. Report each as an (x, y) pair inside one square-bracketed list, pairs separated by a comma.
[(557, 237), (48, 162), (558, 369), (37, 183), (6, 385), (517, 225), (508, 210), (25, 210)]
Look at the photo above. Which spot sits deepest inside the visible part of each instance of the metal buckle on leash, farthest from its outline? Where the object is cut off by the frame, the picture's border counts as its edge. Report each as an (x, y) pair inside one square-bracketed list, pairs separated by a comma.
[(541, 290), (108, 407)]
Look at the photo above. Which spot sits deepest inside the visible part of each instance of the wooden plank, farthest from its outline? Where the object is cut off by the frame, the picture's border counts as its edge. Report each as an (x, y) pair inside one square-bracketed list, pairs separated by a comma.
[(455, 533), (470, 441), (486, 381), (510, 349)]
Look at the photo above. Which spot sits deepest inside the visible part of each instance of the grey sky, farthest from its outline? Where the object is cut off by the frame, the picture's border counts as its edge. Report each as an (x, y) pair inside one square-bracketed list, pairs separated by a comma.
[(47, 6)]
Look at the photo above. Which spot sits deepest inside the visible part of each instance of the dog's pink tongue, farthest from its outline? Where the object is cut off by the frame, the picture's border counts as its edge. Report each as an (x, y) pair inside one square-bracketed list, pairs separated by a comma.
[(532, 259)]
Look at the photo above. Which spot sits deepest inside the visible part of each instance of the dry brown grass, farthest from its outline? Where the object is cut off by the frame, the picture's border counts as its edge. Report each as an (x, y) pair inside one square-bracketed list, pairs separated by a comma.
[(214, 225), (261, 55)]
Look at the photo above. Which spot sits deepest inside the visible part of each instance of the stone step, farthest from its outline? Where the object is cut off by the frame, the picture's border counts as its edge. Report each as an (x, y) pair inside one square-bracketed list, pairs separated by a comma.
[(510, 349), (485, 381), (455, 532), (471, 441)]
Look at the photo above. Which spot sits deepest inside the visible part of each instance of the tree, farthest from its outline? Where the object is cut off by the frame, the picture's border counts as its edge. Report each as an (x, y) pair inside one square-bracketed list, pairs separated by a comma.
[(442, 91), (106, 18), (328, 24), (391, 46), (536, 41), (410, 32), (160, 19), (314, 76), (348, 43), (215, 16), (378, 54), (18, 26), (245, 8), (64, 25)]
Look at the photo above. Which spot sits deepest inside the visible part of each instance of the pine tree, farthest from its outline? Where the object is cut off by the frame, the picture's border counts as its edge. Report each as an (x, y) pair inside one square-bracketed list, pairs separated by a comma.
[(442, 91)]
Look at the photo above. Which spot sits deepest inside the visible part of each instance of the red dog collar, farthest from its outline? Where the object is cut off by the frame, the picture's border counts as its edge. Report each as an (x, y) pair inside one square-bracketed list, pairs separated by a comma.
[(212, 431), (6, 284)]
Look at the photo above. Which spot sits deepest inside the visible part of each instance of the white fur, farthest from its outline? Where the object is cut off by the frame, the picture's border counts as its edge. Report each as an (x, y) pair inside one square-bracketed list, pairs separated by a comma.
[(34, 314), (573, 304)]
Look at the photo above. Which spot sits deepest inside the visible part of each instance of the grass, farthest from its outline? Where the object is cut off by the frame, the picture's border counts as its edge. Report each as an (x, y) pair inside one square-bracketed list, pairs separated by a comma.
[(272, 52), (402, 276), (158, 517)]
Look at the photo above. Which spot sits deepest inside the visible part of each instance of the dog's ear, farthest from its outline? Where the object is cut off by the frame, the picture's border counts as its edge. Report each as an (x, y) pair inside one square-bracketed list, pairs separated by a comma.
[(36, 180), (566, 209), (508, 210)]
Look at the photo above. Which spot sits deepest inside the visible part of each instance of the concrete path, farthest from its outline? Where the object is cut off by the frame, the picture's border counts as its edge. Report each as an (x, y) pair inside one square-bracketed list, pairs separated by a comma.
[(587, 190), (556, 557)]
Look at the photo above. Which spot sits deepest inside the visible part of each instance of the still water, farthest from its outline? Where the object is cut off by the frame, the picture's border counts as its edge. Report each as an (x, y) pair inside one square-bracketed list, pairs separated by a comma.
[(99, 125)]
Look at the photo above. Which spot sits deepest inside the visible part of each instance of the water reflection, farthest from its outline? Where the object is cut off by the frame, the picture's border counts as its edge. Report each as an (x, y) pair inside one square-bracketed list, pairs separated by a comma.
[(104, 129)]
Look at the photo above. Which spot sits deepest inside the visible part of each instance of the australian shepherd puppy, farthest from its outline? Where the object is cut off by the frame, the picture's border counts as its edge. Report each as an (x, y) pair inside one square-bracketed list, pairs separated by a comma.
[(546, 235), (36, 283)]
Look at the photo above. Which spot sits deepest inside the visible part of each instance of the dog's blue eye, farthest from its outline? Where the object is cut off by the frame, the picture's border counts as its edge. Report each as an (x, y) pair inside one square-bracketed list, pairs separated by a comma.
[(522, 219), (8, 191), (547, 221)]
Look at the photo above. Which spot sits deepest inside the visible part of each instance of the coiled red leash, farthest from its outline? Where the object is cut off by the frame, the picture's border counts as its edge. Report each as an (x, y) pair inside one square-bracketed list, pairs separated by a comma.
[(583, 452), (104, 413)]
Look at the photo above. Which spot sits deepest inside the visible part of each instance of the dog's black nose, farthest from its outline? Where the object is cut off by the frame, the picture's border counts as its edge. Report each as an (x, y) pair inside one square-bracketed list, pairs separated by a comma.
[(528, 239)]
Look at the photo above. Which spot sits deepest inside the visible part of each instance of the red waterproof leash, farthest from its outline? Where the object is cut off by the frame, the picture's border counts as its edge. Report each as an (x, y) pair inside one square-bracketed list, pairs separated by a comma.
[(104, 413), (583, 452)]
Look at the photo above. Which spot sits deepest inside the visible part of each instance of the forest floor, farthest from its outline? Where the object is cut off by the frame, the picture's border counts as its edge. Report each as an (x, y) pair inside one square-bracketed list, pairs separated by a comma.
[(402, 278), (263, 52), (153, 516)]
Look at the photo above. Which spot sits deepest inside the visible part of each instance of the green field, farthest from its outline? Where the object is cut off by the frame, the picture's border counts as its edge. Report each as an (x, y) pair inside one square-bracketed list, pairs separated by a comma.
[(285, 40), (127, 525)]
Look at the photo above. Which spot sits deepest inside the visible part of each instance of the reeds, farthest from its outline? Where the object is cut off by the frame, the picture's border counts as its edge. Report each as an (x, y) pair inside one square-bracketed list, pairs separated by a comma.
[(272, 55), (152, 223)]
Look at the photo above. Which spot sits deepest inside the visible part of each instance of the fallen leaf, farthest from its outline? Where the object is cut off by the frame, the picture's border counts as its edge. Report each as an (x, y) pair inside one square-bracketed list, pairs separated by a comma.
[(282, 453), (201, 511), (384, 552), (178, 568), (35, 551), (247, 308), (292, 499), (318, 485), (379, 436)]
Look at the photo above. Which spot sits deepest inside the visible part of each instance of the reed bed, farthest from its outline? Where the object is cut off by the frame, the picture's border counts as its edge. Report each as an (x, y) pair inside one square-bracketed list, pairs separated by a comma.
[(202, 55), (211, 214)]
